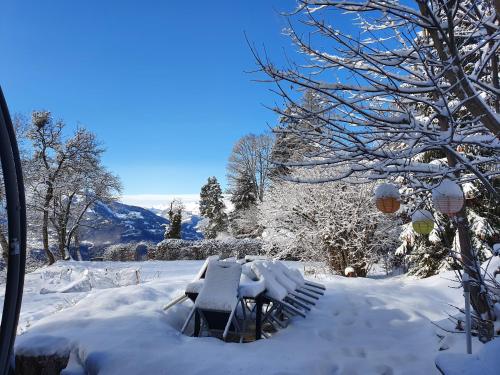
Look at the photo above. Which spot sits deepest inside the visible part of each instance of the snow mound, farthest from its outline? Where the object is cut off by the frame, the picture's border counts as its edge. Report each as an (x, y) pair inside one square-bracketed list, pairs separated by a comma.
[(485, 362), (447, 188), (386, 190)]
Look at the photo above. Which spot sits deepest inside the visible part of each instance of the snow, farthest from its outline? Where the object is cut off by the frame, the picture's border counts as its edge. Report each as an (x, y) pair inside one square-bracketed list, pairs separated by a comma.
[(360, 326), (250, 288), (485, 362), (387, 191), (496, 249), (281, 277), (274, 288), (220, 288), (349, 271), (447, 188)]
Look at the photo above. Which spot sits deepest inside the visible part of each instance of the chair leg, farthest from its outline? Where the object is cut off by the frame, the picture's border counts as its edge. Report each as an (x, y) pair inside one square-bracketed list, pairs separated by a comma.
[(191, 313), (229, 321)]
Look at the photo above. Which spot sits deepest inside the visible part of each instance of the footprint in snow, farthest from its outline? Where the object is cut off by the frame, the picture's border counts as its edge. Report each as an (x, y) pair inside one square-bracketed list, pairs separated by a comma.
[(360, 352), (384, 370), (327, 335), (353, 352)]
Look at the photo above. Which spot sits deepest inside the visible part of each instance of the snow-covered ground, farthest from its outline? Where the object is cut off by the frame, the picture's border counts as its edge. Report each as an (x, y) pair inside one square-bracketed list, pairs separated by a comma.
[(115, 326)]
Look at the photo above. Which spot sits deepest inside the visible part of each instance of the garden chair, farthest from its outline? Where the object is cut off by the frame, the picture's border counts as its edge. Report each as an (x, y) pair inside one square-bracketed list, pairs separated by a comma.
[(296, 276), (195, 285), (276, 293), (293, 288), (218, 299)]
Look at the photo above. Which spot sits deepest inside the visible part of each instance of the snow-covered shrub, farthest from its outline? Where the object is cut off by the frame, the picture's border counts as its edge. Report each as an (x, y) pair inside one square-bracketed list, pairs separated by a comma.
[(226, 247), (334, 222), (128, 251)]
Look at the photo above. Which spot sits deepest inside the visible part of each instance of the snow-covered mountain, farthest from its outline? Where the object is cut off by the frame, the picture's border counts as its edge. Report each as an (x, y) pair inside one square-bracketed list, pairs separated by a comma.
[(108, 224)]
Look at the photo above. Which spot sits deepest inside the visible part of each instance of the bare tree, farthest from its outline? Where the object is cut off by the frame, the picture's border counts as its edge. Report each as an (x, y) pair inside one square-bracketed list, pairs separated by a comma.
[(82, 188), (415, 79), (250, 159), (335, 223), (62, 173)]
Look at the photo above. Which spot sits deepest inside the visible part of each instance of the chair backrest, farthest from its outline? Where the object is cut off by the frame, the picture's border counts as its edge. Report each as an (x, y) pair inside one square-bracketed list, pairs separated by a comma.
[(251, 258), (281, 277), (220, 288), (246, 269), (273, 288), (203, 269), (292, 274)]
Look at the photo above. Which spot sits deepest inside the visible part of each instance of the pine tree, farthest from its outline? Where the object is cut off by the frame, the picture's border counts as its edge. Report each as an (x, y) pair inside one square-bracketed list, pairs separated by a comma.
[(290, 144), (174, 229), (428, 255), (212, 207)]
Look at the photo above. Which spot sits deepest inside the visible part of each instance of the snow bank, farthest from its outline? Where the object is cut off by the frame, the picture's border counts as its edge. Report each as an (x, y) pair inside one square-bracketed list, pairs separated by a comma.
[(485, 362)]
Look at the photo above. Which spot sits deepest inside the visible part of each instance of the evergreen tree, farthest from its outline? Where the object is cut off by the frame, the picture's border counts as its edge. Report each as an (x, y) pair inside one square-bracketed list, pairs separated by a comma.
[(243, 194), (290, 144), (212, 207), (427, 255), (174, 229)]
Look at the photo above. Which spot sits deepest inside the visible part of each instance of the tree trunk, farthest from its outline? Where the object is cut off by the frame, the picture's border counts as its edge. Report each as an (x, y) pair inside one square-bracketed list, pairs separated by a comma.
[(45, 226), (62, 243), (77, 245), (479, 299)]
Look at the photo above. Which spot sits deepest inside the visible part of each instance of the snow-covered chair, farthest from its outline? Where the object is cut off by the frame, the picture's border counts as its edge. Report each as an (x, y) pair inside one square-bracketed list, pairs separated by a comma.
[(296, 276), (195, 285), (295, 290), (251, 258), (277, 294), (218, 299)]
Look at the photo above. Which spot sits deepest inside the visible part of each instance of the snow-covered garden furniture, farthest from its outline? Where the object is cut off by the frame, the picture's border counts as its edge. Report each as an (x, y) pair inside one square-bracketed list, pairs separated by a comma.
[(280, 301), (218, 298), (195, 285), (295, 275), (294, 289)]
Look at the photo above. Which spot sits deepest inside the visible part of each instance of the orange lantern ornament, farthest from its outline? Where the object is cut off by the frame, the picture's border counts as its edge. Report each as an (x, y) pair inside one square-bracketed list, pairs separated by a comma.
[(448, 197), (387, 198)]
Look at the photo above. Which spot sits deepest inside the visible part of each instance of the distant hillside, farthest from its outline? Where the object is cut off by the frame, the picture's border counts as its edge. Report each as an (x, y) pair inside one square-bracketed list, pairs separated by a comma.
[(108, 224), (114, 223)]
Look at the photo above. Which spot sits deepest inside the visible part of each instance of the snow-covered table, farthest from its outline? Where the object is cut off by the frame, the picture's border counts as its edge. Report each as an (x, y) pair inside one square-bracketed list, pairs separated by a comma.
[(248, 289)]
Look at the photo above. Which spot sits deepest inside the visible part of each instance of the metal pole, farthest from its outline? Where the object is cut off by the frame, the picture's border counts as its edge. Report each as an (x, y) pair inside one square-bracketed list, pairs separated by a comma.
[(466, 284), (16, 216)]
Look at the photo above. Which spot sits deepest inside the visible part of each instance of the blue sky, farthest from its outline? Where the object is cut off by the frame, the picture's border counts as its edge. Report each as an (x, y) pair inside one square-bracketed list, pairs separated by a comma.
[(162, 83)]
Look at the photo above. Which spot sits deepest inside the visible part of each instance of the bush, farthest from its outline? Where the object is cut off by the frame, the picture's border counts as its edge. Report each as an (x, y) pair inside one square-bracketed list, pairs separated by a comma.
[(173, 249), (127, 252)]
